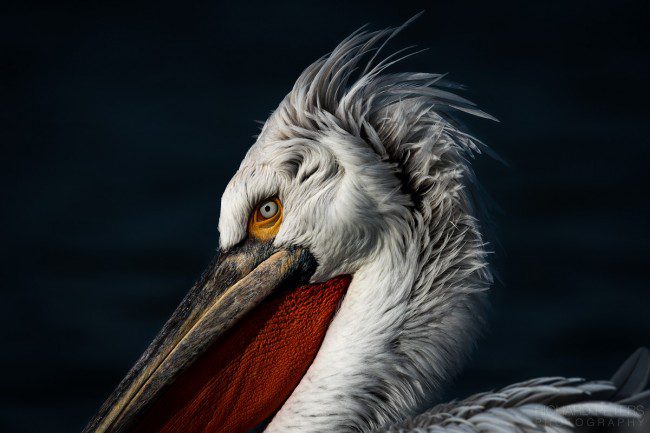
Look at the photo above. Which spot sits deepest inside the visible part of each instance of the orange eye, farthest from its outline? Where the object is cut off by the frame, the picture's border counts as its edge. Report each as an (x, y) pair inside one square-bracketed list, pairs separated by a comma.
[(266, 220)]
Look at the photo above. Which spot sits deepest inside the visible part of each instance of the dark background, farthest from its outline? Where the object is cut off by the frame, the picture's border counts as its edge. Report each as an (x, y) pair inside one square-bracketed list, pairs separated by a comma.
[(122, 122)]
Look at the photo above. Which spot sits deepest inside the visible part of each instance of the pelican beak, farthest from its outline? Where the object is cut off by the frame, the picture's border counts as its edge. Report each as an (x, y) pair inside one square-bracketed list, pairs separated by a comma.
[(234, 285)]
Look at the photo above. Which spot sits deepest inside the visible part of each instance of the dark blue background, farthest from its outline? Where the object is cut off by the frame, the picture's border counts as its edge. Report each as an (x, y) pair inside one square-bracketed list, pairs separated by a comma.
[(122, 122)]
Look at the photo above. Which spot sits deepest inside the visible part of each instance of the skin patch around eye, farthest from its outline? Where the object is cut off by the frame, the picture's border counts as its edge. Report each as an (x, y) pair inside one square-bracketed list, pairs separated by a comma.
[(263, 228)]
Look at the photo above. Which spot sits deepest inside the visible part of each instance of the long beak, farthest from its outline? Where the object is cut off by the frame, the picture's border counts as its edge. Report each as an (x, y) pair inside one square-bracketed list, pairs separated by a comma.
[(233, 285)]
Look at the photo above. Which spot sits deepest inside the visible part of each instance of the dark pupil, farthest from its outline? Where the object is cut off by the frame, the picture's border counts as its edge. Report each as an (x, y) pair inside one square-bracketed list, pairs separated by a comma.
[(267, 208)]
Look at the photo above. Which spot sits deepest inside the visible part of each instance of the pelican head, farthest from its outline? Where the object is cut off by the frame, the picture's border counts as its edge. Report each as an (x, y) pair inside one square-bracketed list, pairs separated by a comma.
[(351, 275)]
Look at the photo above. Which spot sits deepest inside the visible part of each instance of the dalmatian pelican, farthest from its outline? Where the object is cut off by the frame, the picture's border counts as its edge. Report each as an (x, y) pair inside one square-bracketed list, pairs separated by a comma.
[(351, 279)]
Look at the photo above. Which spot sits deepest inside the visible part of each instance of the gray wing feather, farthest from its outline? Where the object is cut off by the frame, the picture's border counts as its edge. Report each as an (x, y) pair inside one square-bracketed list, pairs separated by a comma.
[(631, 377), (547, 404)]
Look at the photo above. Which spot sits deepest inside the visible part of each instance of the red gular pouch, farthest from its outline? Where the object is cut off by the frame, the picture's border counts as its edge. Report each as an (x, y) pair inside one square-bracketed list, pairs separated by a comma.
[(248, 374)]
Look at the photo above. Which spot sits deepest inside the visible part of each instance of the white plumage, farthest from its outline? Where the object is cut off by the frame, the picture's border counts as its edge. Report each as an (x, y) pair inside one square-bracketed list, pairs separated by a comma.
[(375, 180)]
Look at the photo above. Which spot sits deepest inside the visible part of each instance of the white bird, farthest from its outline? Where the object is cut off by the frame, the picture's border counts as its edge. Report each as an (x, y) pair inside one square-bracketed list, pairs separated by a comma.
[(351, 280)]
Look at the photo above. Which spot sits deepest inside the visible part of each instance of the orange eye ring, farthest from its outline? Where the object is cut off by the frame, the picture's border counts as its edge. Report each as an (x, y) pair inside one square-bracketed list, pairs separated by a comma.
[(266, 219)]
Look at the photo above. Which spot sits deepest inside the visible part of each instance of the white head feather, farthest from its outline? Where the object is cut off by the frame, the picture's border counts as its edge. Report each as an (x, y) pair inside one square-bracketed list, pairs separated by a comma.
[(373, 175)]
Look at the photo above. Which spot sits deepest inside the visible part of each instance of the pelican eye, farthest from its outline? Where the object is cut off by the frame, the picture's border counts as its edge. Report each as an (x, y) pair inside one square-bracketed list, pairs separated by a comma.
[(266, 219), (269, 209)]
